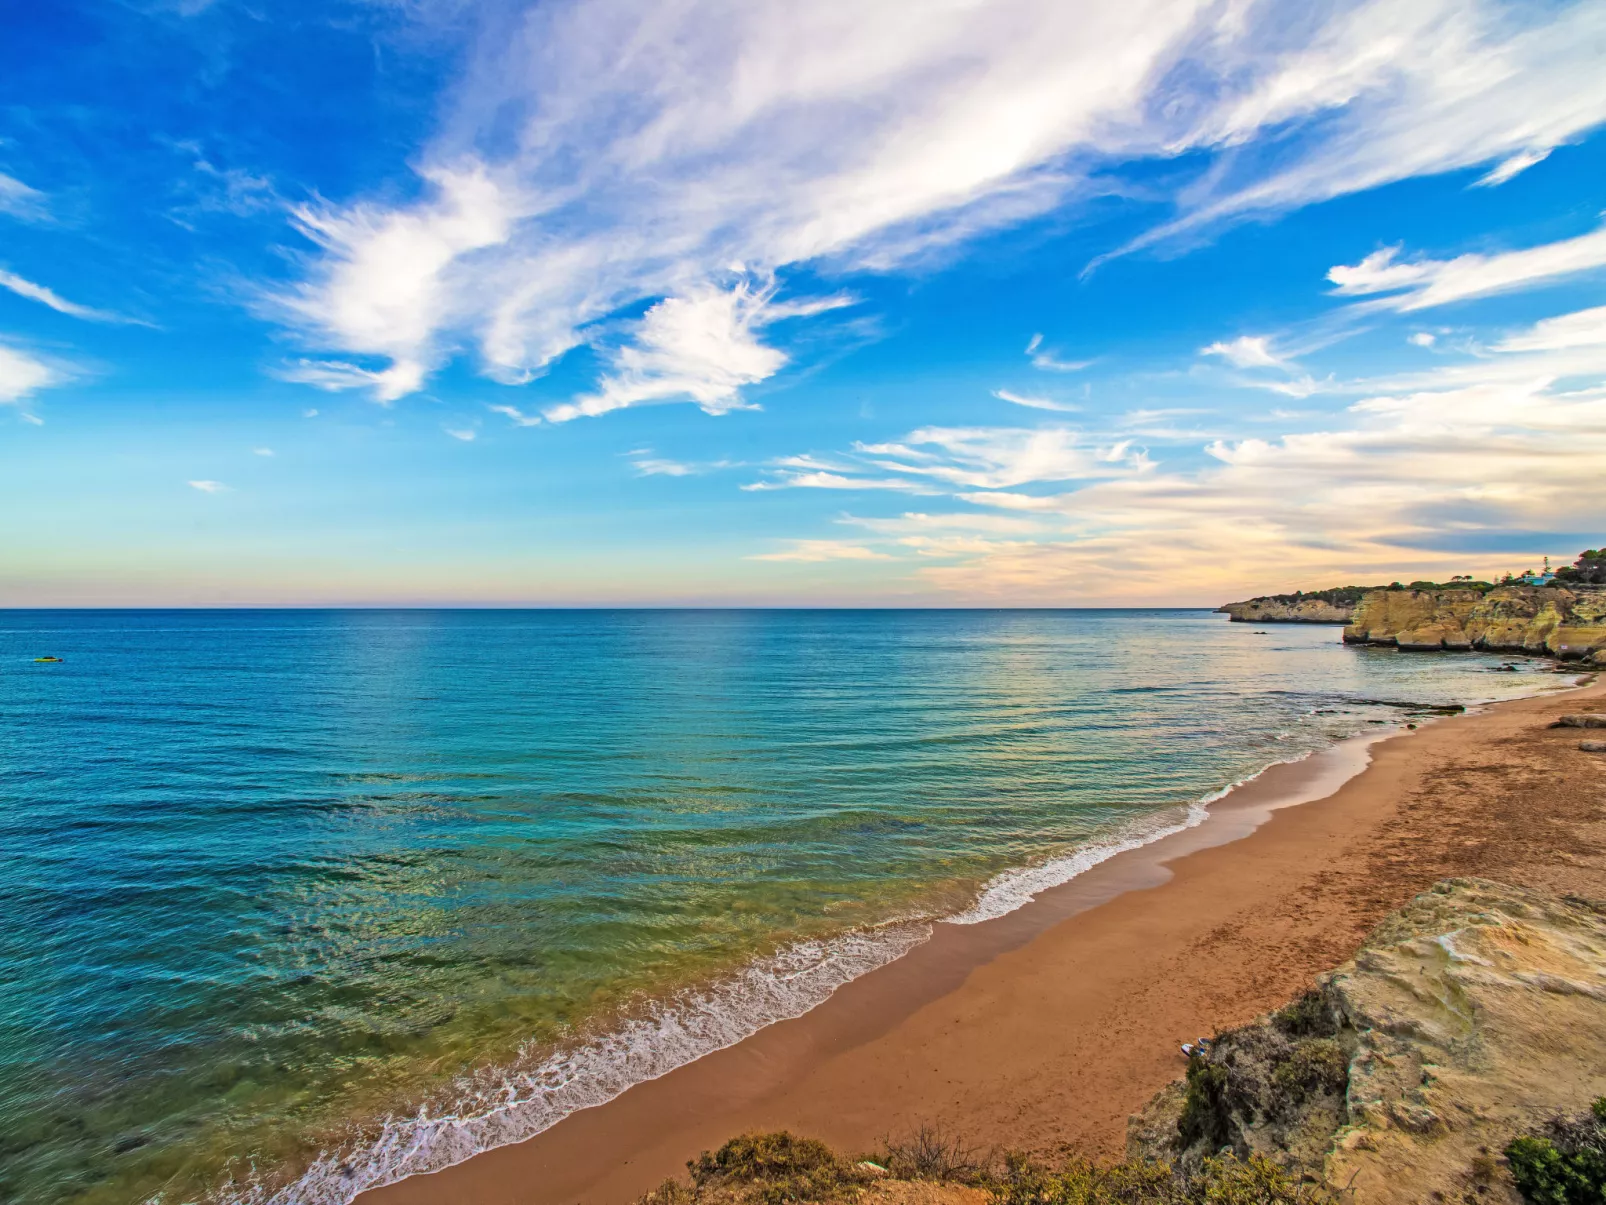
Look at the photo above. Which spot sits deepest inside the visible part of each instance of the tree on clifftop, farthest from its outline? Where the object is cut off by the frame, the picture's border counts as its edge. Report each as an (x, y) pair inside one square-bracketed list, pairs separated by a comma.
[(1588, 570)]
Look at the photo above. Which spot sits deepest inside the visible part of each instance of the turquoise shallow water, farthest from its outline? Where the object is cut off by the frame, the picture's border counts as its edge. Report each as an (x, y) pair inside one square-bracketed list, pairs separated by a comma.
[(271, 878)]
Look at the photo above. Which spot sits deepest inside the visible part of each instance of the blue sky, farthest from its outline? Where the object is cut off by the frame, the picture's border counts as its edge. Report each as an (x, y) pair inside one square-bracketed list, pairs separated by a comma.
[(1015, 302)]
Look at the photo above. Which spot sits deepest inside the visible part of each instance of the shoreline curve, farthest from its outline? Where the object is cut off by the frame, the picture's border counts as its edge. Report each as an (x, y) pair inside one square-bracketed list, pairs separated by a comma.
[(872, 1004)]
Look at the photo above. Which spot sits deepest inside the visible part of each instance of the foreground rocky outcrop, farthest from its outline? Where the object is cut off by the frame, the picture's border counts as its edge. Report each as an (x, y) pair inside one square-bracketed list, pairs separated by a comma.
[(1569, 624), (1468, 1018), (1458, 1055)]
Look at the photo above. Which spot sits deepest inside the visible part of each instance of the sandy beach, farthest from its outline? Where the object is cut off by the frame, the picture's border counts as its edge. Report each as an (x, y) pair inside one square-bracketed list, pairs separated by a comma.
[(1049, 1026)]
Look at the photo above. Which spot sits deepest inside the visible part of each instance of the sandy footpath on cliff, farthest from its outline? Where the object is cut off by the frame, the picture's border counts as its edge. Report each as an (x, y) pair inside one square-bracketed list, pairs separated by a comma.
[(1049, 1026)]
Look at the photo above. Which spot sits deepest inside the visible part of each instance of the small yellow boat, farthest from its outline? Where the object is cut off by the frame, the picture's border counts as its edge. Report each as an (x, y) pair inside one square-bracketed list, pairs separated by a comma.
[(47, 658)]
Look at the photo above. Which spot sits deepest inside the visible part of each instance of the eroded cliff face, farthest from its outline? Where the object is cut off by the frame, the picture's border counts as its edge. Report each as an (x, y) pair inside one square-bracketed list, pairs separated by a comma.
[(1266, 610), (1470, 1016), (1481, 1011), (1539, 620)]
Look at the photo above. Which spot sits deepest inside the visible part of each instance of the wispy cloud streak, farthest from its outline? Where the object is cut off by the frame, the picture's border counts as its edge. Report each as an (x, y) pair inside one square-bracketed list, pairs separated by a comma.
[(1508, 440), (37, 292), (1419, 284), (669, 156)]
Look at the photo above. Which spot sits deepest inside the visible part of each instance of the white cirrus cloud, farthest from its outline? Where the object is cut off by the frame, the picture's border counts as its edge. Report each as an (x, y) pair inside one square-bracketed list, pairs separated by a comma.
[(21, 201), (1418, 284), (814, 551), (605, 155), (703, 346), (48, 297), (1246, 351), (1583, 328), (516, 416), (1000, 457), (208, 487), (919, 523), (1510, 168), (1034, 403), (1049, 361), (385, 285), (648, 464), (335, 376), (825, 479), (221, 190), (23, 374), (653, 466), (1481, 452), (1401, 91), (1255, 352), (937, 460)]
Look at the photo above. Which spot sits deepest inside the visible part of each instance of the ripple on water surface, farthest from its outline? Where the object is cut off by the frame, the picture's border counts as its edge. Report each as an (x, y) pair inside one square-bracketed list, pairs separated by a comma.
[(274, 877)]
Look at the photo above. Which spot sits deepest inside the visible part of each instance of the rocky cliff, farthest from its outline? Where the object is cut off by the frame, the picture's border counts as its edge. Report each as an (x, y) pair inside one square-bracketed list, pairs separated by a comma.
[(1543, 620), (1467, 1018), (1272, 610), (1333, 605)]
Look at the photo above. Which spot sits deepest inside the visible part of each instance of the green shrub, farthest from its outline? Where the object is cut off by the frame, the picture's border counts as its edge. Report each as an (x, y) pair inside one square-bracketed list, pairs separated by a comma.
[(1304, 1018), (1204, 1108), (1217, 1181), (1539, 1170), (779, 1166), (1566, 1165), (1254, 1181), (670, 1192), (1337, 596), (1314, 1065), (1080, 1181)]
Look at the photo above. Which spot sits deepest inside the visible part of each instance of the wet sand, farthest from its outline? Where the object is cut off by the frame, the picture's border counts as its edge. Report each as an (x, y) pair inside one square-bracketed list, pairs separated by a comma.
[(1049, 1026)]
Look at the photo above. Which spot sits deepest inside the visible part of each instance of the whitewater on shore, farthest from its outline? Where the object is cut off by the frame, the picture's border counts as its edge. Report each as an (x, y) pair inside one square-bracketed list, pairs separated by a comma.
[(363, 893), (507, 1106)]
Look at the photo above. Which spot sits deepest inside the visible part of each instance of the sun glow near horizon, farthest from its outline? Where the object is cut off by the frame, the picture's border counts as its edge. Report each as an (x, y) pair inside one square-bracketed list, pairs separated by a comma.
[(597, 302)]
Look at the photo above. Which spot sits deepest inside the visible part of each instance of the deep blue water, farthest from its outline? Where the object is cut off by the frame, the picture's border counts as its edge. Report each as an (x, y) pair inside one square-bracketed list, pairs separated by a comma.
[(270, 877)]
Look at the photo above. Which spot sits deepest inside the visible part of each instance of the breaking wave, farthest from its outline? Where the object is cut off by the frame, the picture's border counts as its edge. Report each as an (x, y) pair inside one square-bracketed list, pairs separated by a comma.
[(507, 1106)]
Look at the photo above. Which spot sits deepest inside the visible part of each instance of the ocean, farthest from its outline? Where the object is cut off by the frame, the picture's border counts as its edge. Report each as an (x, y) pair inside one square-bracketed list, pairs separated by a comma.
[(297, 902)]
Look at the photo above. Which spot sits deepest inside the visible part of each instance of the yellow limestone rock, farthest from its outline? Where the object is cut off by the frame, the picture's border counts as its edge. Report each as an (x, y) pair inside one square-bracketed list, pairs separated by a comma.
[(1270, 610), (1479, 1011), (1547, 620)]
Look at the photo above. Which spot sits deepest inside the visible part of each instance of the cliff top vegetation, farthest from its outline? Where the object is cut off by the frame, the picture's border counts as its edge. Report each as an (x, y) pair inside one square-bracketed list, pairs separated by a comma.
[(1588, 570), (1455, 583), (782, 1169), (1337, 596)]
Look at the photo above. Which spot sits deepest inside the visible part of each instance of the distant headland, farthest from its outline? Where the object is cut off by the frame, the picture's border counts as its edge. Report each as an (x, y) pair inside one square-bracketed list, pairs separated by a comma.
[(1560, 613)]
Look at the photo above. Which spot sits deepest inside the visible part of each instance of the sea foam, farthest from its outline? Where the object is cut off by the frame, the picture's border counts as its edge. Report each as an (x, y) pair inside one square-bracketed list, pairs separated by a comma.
[(509, 1106), (1016, 888), (512, 1105)]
